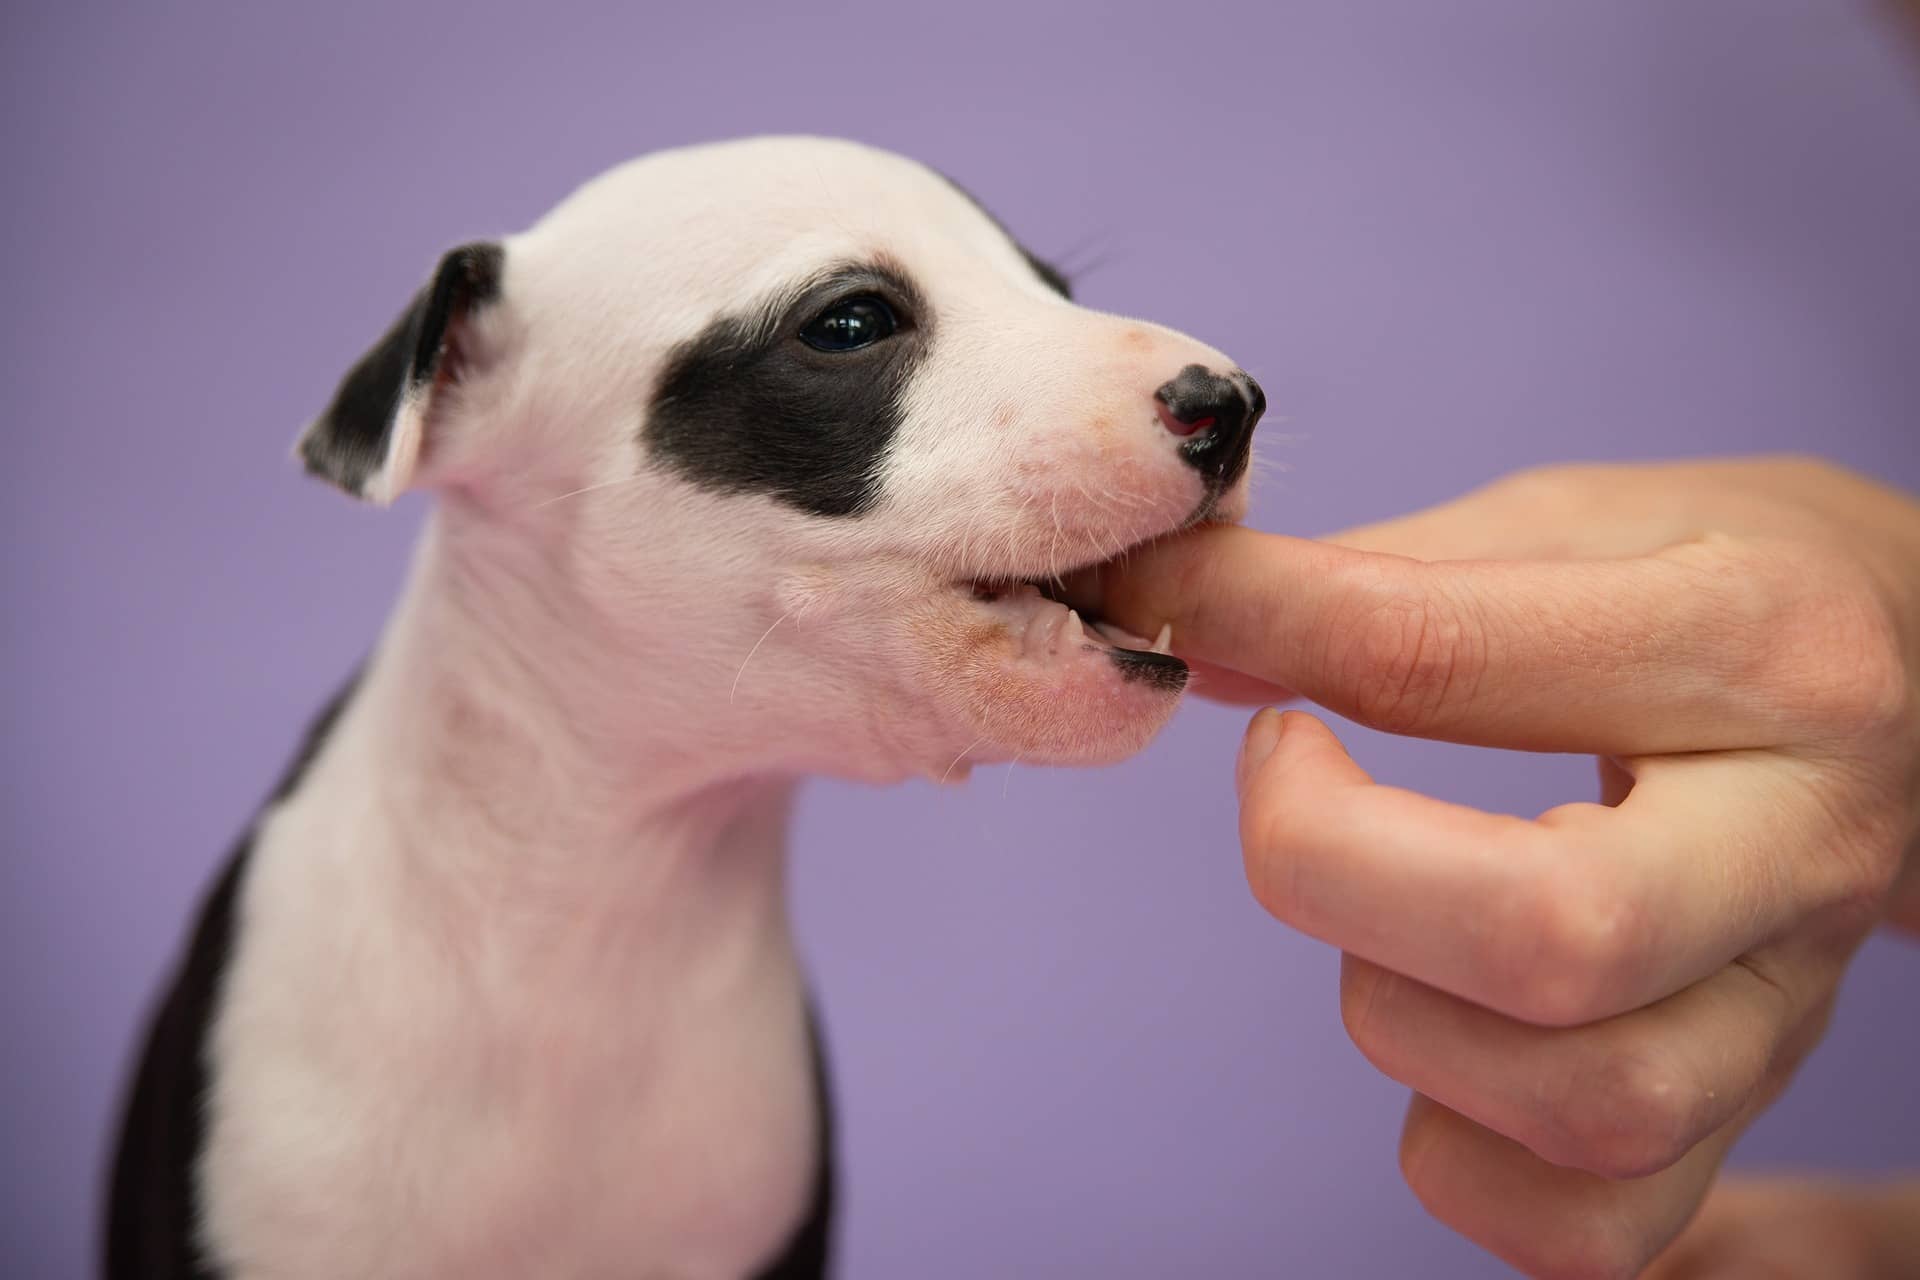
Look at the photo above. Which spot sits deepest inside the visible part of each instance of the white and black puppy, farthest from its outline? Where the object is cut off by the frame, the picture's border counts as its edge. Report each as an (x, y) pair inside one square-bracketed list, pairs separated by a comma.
[(747, 459)]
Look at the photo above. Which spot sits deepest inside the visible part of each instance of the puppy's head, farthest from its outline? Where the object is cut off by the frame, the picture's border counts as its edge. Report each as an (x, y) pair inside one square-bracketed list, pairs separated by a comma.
[(798, 428)]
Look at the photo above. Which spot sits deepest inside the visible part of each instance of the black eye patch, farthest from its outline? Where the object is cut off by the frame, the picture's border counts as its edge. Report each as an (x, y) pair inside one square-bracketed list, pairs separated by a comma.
[(798, 398)]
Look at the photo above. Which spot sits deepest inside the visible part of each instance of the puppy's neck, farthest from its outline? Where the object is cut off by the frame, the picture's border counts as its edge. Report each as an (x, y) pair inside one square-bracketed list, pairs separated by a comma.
[(517, 917), (528, 754)]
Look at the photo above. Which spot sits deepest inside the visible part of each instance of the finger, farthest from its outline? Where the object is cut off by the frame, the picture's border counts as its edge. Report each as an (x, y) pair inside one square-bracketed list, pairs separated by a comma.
[(1581, 914), (1796, 1229), (1464, 529), (1667, 652), (1615, 782), (1578, 512), (1622, 1098), (1234, 688), (1903, 901), (1541, 1218)]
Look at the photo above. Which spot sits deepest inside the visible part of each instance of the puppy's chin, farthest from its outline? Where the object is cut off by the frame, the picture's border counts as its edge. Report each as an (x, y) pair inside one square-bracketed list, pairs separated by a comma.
[(1030, 681)]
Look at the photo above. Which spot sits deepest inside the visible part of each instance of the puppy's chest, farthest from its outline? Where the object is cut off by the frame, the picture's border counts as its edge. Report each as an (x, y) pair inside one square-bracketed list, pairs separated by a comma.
[(390, 1100)]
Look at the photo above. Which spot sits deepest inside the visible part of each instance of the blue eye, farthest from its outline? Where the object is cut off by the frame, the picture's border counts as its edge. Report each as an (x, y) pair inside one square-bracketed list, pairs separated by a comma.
[(850, 325)]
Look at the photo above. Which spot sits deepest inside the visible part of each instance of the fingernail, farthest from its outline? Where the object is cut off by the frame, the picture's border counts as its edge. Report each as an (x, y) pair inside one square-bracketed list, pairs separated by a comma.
[(1263, 735)]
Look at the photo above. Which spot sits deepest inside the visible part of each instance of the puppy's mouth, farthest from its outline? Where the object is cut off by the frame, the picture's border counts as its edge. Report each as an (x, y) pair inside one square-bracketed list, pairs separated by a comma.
[(1045, 627)]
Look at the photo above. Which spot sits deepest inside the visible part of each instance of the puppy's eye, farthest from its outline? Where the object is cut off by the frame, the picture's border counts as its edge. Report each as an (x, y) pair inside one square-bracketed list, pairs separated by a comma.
[(850, 325)]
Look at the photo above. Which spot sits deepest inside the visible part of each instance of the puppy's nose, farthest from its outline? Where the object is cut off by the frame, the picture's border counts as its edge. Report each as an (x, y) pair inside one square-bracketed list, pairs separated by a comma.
[(1214, 414)]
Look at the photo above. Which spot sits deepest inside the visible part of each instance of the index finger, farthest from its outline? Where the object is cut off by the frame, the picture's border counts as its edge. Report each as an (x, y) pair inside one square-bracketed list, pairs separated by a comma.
[(1649, 654), (1580, 914)]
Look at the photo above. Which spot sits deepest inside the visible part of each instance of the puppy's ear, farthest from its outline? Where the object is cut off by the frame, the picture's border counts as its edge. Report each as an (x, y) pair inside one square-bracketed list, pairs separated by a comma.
[(369, 438)]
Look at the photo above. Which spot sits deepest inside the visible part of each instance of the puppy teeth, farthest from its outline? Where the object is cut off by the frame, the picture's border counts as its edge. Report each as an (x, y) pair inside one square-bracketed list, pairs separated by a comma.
[(1043, 631), (1164, 642), (1033, 641), (1071, 631), (1121, 639)]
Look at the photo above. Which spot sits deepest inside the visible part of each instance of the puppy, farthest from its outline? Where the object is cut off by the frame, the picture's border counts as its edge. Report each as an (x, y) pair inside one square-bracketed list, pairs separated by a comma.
[(749, 461)]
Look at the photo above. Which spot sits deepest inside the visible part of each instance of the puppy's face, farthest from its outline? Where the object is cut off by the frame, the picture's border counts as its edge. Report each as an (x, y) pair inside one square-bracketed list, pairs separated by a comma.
[(799, 426)]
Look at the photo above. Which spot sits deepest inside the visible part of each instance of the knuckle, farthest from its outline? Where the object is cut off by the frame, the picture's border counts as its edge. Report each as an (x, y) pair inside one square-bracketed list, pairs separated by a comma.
[(1565, 956), (1853, 885), (1854, 642), (1406, 657), (1627, 1114), (1424, 1166), (1799, 468), (1271, 840), (1589, 1239), (1365, 999), (1553, 487), (1816, 639), (1740, 588), (1811, 1028)]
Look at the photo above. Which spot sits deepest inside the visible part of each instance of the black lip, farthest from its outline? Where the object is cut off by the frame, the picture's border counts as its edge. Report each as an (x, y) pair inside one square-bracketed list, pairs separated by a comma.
[(1160, 670), (1138, 666)]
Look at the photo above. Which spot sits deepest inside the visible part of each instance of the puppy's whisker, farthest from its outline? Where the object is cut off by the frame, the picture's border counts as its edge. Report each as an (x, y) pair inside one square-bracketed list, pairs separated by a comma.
[(1098, 262), (1105, 542), (1126, 502), (1007, 544), (966, 534), (1059, 531), (947, 772), (1091, 240), (1122, 499), (574, 493), (1089, 254), (749, 658), (1109, 542), (1008, 779)]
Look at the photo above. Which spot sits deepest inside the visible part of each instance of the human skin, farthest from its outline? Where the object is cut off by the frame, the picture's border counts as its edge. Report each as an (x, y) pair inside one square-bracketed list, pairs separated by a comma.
[(1791, 1229), (1590, 1005)]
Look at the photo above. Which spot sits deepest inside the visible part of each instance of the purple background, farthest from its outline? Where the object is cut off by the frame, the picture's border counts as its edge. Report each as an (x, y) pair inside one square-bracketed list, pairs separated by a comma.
[(1451, 240)]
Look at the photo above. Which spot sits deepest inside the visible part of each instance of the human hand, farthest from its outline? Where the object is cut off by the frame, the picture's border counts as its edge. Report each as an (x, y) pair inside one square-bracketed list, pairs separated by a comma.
[(1591, 1005), (1793, 1229)]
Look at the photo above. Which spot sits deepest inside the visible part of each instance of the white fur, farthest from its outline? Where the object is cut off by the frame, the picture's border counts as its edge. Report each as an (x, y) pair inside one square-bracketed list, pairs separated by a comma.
[(513, 991)]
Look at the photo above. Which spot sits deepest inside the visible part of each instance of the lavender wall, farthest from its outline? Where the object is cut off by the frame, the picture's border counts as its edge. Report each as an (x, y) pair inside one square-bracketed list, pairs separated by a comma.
[(1067, 1042)]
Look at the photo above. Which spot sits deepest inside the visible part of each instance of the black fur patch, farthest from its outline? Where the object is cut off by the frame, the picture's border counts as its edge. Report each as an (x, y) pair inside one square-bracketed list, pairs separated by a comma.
[(1047, 272), (1161, 670), (152, 1199), (1050, 275), (152, 1207), (746, 407), (809, 1252), (348, 443)]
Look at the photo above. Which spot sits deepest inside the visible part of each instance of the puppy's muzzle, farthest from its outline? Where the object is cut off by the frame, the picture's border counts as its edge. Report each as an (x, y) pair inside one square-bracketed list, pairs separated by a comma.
[(1214, 414)]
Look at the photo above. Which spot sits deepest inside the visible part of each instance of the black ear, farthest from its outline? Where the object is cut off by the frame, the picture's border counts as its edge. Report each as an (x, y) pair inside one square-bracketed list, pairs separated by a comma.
[(369, 438)]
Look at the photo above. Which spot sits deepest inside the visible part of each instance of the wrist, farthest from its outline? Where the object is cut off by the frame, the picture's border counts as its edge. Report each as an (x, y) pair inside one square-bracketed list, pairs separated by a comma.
[(1893, 1227)]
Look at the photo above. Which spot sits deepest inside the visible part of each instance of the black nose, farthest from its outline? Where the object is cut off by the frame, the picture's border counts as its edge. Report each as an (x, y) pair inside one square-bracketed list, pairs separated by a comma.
[(1215, 416)]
